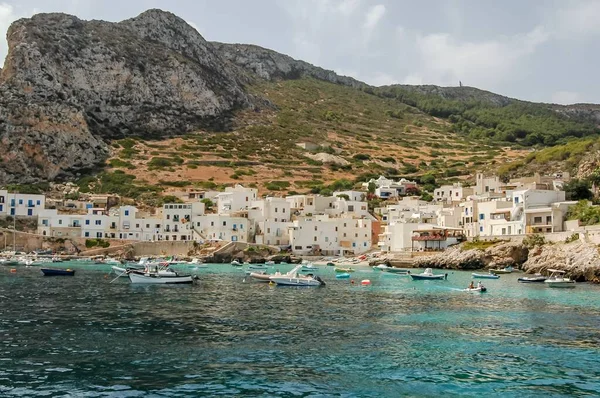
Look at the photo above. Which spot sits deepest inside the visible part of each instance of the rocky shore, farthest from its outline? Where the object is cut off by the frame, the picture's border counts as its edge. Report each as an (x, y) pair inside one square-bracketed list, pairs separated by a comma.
[(579, 259)]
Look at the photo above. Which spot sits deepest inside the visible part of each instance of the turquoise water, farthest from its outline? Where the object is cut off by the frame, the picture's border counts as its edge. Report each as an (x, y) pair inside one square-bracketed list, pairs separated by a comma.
[(83, 336)]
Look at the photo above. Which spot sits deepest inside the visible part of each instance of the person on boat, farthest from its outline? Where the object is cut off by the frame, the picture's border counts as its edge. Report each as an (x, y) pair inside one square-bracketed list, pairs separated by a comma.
[(472, 285), (479, 285)]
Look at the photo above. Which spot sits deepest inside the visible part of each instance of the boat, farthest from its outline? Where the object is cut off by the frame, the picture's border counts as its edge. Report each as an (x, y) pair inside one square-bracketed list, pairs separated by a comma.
[(293, 278), (340, 269), (236, 263), (479, 289), (345, 275), (57, 272), (57, 259), (157, 279), (381, 267), (485, 276), (330, 264), (537, 278), (9, 261), (557, 279), (505, 270), (428, 275), (270, 263), (309, 268), (393, 270), (257, 267)]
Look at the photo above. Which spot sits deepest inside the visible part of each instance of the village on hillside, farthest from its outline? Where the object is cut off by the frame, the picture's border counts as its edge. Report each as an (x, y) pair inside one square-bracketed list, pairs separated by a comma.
[(343, 224)]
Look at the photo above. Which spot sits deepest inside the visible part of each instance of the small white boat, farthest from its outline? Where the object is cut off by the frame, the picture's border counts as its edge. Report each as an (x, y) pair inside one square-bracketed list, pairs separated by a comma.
[(309, 268), (479, 289), (270, 263), (156, 279), (236, 263), (557, 279), (537, 278), (380, 267), (257, 267), (505, 270), (484, 276), (398, 271), (428, 275), (293, 278)]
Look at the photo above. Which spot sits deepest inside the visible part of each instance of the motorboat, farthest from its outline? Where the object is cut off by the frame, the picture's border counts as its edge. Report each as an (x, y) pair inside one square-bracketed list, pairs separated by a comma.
[(485, 276), (258, 267), (537, 278), (394, 270), (428, 275), (330, 264), (505, 270), (293, 278), (345, 275), (157, 279), (236, 263), (309, 268), (557, 279), (381, 267), (270, 263), (57, 272), (263, 276), (9, 261), (478, 289), (340, 269)]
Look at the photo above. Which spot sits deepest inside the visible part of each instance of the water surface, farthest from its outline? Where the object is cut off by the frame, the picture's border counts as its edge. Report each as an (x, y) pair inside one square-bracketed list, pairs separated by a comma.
[(85, 336)]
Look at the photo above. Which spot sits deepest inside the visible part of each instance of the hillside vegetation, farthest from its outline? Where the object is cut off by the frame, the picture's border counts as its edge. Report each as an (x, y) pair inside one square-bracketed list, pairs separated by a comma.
[(361, 135)]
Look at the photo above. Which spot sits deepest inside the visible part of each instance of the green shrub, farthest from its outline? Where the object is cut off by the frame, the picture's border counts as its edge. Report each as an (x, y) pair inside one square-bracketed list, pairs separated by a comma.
[(534, 240)]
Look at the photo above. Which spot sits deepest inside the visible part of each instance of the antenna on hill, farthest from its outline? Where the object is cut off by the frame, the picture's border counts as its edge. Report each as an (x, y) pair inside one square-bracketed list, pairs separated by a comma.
[(459, 83)]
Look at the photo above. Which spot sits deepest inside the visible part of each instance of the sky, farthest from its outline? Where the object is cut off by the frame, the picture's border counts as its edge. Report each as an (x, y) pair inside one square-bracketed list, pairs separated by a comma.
[(546, 51)]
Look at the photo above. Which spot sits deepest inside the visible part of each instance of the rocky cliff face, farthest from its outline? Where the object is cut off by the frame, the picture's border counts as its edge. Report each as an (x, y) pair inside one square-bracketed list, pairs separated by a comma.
[(67, 84), (271, 65), (497, 256)]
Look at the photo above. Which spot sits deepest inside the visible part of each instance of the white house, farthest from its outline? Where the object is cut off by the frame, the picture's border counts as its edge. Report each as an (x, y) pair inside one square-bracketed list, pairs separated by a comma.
[(177, 220), (235, 199), (21, 204), (452, 193), (324, 235), (399, 237), (222, 227)]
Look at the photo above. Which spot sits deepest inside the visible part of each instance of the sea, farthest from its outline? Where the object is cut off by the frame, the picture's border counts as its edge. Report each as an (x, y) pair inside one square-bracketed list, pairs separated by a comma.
[(93, 336)]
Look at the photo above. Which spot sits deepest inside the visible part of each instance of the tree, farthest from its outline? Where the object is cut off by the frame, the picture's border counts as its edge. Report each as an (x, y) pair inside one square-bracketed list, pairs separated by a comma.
[(208, 204), (428, 179), (578, 190), (372, 187)]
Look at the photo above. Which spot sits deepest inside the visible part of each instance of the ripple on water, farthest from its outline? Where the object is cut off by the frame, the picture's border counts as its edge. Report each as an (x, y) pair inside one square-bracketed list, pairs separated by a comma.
[(228, 338)]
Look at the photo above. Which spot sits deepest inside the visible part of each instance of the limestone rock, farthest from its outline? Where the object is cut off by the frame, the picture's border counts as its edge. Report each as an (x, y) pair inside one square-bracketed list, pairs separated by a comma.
[(501, 255), (68, 84), (579, 259), (328, 158)]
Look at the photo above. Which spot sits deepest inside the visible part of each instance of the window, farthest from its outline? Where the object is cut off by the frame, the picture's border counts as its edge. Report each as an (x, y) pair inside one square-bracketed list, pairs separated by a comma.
[(315, 239), (98, 222), (147, 225), (45, 222), (481, 229), (87, 234), (503, 231), (315, 227), (548, 219), (283, 210), (87, 222), (297, 247), (241, 226), (20, 201), (168, 216), (537, 220), (516, 199), (481, 216), (126, 212), (344, 234), (276, 210), (212, 223), (353, 244), (344, 225), (30, 212), (39, 202), (59, 222), (356, 235), (326, 239), (224, 223)]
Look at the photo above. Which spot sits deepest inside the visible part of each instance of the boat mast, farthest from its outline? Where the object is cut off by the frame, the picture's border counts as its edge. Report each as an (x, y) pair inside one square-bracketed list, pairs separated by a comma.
[(15, 223)]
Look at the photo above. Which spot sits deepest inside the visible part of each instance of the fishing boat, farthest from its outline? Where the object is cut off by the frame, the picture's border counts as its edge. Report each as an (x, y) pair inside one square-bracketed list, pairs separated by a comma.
[(57, 272), (428, 275), (485, 276), (557, 279), (537, 278), (293, 278), (345, 275), (340, 269), (505, 270), (156, 279)]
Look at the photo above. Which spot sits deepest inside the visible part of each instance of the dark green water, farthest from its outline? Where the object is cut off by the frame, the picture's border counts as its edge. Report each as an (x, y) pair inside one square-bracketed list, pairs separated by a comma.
[(82, 336)]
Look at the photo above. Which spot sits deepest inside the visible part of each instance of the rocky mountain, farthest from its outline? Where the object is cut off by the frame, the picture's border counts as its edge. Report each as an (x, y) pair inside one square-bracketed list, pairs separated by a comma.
[(68, 85)]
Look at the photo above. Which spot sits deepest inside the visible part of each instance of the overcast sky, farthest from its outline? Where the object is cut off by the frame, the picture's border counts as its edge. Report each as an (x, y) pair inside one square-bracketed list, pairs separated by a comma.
[(535, 50)]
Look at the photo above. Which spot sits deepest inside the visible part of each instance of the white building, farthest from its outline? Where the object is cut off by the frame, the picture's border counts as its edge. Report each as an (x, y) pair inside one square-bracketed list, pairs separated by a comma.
[(270, 221), (407, 237), (222, 227), (487, 184), (21, 204), (177, 220), (235, 199), (386, 188), (323, 235), (452, 193)]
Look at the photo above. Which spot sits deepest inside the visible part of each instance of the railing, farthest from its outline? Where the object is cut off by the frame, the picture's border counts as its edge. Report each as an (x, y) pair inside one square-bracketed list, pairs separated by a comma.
[(428, 238)]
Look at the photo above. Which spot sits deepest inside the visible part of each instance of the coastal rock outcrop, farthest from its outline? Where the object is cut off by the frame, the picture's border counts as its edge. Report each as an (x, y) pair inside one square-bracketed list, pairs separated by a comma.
[(579, 259), (500, 255)]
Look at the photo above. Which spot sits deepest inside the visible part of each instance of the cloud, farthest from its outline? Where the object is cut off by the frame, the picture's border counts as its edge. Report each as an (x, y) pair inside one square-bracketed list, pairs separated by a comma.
[(373, 17), (579, 18), (566, 97), (445, 60)]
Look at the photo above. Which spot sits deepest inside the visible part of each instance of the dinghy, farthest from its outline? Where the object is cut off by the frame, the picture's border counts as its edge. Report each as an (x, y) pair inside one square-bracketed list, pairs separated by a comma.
[(537, 278), (156, 279), (485, 276), (57, 272)]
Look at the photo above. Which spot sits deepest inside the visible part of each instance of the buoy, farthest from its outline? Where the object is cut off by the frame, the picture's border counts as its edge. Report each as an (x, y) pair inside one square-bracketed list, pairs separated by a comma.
[(13, 270), (352, 281), (365, 282)]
